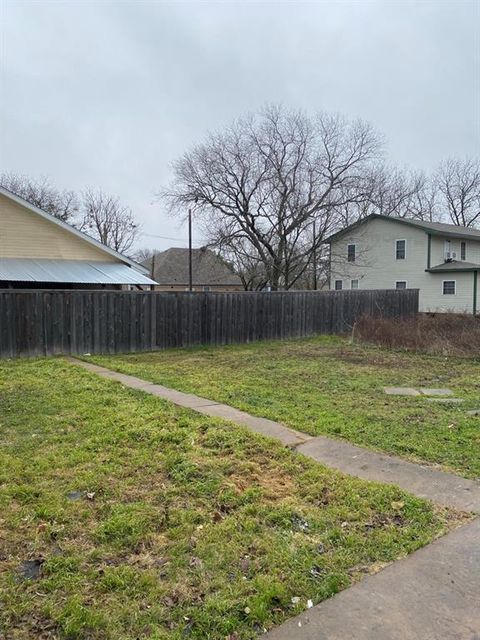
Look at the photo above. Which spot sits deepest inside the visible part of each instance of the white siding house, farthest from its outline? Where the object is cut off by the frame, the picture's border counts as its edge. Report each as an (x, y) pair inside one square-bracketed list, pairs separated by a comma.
[(382, 252)]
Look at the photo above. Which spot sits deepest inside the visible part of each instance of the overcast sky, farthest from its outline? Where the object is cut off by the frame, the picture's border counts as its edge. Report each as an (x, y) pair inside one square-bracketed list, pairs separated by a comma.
[(108, 94)]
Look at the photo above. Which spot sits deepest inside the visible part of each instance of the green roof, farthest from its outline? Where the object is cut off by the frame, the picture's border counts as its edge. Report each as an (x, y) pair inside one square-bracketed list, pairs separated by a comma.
[(434, 228), (454, 265)]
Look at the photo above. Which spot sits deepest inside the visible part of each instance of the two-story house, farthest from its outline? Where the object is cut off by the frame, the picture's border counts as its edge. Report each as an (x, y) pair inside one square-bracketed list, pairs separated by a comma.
[(383, 252)]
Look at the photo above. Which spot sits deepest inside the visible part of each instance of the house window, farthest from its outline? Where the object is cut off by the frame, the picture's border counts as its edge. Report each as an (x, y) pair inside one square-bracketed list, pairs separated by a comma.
[(351, 252), (206, 288), (449, 287), (400, 249), (353, 284), (401, 284), (463, 251), (450, 254), (338, 285)]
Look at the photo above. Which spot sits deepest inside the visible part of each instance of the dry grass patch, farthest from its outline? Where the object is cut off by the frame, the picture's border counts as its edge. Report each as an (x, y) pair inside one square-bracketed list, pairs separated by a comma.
[(443, 334)]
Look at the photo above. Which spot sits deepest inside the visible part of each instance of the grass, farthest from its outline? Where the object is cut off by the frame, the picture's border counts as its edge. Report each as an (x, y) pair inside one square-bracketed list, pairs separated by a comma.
[(326, 386), (147, 521)]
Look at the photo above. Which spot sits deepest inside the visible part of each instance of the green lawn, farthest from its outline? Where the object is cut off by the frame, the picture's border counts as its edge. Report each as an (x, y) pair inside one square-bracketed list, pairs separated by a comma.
[(326, 386), (148, 521)]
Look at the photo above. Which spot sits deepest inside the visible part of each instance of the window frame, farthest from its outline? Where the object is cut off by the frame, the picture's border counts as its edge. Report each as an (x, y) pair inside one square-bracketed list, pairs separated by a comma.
[(401, 288), (351, 284), (354, 245), (340, 288), (404, 240), (454, 288), (449, 247), (463, 250)]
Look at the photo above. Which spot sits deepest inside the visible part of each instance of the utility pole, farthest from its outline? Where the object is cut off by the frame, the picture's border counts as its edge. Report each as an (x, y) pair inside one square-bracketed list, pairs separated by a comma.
[(314, 255), (152, 270), (190, 273)]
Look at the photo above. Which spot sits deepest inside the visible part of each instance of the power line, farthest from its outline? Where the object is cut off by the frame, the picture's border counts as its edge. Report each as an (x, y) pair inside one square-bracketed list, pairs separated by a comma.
[(153, 235)]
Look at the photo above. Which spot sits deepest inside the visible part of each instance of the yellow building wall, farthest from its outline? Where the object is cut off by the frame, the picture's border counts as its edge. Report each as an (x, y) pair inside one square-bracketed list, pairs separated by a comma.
[(24, 234)]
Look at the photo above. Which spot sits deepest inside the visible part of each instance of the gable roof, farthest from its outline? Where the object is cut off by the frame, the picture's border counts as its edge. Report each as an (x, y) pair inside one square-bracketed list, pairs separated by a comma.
[(68, 227), (434, 228), (170, 267)]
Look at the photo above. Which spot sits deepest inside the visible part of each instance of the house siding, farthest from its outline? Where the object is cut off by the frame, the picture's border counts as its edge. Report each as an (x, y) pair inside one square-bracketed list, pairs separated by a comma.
[(24, 234), (432, 298), (438, 249), (376, 266)]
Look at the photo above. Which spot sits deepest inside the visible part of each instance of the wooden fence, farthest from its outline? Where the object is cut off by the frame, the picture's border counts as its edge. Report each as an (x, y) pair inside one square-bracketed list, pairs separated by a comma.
[(49, 322)]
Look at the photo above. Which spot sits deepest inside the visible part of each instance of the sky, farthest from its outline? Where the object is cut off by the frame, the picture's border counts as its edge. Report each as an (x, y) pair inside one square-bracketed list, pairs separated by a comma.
[(108, 94)]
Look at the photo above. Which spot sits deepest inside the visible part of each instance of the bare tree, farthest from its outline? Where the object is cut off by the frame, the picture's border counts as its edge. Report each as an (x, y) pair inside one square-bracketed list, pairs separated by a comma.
[(102, 216), (394, 192), (459, 185), (424, 202), (146, 257), (390, 191), (259, 185), (241, 254), (105, 218), (42, 194), (144, 254)]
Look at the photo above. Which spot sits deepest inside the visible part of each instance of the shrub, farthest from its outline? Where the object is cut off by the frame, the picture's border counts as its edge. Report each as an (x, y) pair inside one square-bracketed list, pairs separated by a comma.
[(439, 333)]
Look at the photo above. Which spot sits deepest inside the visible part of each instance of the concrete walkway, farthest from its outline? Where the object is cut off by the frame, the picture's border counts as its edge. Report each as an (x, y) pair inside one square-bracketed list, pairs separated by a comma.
[(434, 594), (288, 437), (427, 482), (440, 487)]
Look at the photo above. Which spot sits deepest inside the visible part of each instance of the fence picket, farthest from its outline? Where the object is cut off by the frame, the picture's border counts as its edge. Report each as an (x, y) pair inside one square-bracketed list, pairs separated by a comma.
[(50, 322)]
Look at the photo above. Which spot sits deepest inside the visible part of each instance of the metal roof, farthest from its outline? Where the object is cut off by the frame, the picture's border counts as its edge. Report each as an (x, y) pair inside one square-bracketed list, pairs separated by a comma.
[(68, 227), (69, 271)]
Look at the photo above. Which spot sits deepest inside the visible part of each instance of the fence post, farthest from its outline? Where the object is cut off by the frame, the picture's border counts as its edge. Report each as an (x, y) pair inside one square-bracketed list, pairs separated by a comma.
[(48, 322)]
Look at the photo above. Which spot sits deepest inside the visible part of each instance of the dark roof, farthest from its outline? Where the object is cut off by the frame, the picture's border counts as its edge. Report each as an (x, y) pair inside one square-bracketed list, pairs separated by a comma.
[(435, 228), (442, 228), (170, 267), (454, 265)]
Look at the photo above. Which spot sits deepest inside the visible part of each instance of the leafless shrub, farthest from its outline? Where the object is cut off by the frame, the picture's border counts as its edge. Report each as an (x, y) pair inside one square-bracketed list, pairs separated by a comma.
[(444, 334)]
